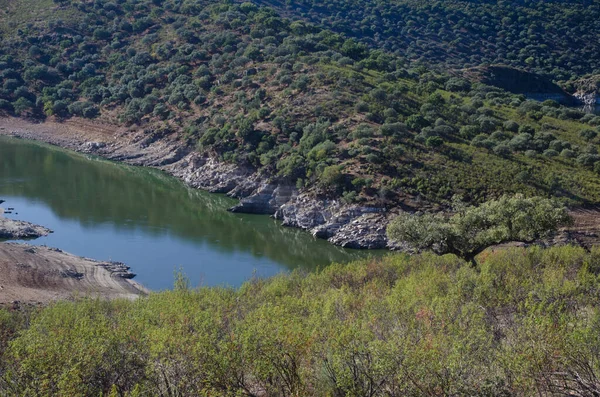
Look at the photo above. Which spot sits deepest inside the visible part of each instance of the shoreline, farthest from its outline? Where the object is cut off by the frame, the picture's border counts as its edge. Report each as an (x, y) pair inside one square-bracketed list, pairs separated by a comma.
[(345, 225), (38, 275)]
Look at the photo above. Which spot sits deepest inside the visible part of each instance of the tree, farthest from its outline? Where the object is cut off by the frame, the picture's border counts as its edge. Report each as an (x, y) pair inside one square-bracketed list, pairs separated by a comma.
[(22, 106), (470, 230)]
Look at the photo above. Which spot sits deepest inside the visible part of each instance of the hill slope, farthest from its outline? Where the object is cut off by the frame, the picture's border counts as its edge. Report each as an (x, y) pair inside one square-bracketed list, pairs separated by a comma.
[(301, 105), (556, 38)]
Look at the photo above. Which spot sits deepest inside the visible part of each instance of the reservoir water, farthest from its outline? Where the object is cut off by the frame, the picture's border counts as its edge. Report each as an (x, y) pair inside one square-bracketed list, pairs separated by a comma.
[(148, 220)]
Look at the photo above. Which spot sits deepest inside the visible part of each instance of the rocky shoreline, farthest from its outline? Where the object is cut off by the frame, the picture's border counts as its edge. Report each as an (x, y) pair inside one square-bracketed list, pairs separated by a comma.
[(351, 226), (11, 229)]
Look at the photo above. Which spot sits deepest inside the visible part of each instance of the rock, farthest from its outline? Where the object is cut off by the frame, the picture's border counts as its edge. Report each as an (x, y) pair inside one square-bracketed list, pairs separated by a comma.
[(91, 147), (117, 269), (267, 199), (11, 229), (70, 273), (207, 173), (350, 226)]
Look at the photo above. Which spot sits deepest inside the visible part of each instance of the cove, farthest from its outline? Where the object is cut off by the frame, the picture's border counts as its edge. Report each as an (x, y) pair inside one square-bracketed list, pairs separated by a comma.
[(149, 220)]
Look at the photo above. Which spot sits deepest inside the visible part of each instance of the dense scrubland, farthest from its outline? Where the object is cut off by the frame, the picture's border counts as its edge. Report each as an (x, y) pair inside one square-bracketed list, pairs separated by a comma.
[(299, 102), (524, 322)]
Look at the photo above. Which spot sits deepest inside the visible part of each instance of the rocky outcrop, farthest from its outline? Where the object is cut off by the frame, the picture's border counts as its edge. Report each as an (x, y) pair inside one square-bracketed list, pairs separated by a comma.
[(589, 100), (350, 226), (207, 173), (11, 229), (117, 269), (266, 199)]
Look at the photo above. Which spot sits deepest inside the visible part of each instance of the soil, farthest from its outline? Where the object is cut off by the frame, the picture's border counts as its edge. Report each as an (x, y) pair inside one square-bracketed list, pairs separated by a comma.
[(32, 275)]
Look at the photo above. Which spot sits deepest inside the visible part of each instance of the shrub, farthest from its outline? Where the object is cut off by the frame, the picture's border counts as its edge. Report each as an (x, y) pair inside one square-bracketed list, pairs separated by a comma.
[(511, 125), (502, 150), (332, 178), (550, 153), (588, 134)]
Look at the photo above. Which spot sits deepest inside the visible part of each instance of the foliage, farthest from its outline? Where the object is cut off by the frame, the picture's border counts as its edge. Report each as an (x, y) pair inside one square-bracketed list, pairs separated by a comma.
[(526, 322), (470, 230), (549, 37)]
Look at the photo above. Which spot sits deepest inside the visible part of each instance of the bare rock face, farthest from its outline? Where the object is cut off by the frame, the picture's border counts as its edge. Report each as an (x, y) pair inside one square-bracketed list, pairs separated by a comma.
[(349, 226), (266, 199), (207, 173), (11, 229)]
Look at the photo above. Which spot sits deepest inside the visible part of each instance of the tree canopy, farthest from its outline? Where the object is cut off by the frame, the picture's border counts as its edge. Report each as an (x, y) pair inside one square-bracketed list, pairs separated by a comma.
[(471, 229)]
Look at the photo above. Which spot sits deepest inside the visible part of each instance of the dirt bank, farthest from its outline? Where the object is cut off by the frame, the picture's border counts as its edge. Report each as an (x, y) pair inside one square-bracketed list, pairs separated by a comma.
[(38, 275)]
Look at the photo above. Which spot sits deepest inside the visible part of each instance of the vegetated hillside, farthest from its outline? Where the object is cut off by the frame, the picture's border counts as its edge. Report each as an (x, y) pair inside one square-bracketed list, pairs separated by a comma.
[(302, 104), (525, 323), (556, 38)]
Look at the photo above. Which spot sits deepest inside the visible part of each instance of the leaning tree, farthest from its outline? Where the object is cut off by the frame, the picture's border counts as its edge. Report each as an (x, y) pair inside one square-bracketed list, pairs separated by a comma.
[(469, 229)]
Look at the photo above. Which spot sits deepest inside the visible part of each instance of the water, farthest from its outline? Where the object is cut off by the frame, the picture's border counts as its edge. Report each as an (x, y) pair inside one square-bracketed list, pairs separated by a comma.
[(148, 220)]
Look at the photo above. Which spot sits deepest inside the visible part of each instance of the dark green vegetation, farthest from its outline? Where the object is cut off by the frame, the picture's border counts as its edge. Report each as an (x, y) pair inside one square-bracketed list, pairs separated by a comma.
[(526, 322), (556, 38), (470, 230), (301, 103)]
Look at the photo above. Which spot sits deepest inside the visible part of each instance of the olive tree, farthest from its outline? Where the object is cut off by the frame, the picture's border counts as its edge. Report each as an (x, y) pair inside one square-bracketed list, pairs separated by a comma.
[(470, 229)]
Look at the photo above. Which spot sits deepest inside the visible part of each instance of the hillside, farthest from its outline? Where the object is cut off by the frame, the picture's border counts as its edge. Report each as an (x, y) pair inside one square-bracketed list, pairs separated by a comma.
[(555, 38), (297, 102), (525, 323)]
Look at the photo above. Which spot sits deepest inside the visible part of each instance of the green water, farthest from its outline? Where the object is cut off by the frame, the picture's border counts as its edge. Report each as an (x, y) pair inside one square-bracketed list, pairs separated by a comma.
[(148, 220)]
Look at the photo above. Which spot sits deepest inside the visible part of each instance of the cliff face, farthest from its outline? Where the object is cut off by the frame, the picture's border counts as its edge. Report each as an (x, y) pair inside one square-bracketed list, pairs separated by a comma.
[(351, 226)]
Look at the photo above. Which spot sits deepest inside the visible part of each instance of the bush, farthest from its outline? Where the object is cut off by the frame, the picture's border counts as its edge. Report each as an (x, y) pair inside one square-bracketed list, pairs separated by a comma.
[(394, 129), (511, 125), (22, 106), (520, 142), (483, 141), (588, 159), (567, 153), (502, 150), (588, 135), (332, 178), (550, 153), (434, 141)]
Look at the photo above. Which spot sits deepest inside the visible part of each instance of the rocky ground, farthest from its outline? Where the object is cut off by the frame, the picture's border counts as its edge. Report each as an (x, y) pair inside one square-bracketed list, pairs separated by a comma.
[(39, 275), (350, 226), (11, 229)]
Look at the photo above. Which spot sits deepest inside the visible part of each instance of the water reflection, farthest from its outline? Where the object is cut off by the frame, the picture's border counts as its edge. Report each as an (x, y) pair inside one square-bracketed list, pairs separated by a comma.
[(98, 208)]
